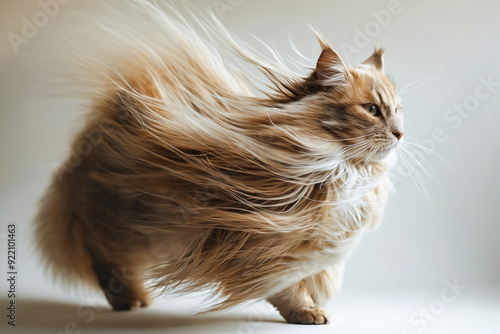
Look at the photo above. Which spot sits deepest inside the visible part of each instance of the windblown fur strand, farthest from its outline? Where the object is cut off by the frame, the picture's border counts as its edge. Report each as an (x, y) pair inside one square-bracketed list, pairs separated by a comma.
[(183, 176)]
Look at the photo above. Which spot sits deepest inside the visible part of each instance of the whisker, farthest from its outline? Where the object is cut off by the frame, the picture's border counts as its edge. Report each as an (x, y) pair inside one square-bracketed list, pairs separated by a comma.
[(417, 179), (372, 153), (429, 151), (415, 82), (335, 140), (431, 175), (358, 151)]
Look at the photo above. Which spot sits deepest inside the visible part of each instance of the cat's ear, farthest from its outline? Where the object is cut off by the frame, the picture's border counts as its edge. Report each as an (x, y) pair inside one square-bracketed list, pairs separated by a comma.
[(376, 59), (330, 68)]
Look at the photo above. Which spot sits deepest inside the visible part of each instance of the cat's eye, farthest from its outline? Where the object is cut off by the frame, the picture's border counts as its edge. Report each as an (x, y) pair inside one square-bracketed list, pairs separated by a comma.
[(372, 109)]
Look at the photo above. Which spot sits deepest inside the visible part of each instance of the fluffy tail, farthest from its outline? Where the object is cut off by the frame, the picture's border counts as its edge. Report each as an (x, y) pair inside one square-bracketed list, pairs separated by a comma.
[(60, 239), (153, 57), (184, 97)]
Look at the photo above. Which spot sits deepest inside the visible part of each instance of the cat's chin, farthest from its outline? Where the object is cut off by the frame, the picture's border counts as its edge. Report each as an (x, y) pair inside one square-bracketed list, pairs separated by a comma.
[(384, 154)]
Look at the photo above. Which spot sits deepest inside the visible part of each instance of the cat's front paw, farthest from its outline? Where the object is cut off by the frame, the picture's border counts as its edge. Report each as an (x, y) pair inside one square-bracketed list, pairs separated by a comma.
[(128, 301), (308, 316)]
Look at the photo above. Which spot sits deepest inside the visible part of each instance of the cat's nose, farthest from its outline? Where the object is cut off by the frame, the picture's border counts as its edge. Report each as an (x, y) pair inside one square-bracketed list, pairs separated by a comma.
[(397, 134)]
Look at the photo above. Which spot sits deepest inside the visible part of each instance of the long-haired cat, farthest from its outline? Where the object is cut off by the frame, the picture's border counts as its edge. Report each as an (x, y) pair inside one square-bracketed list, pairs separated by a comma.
[(182, 178)]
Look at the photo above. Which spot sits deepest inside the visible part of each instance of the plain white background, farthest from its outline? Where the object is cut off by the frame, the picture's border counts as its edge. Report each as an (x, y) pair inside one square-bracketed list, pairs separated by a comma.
[(446, 51)]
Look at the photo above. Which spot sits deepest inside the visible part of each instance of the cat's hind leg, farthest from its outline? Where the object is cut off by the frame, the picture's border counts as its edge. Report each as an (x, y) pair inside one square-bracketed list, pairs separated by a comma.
[(296, 305), (120, 283)]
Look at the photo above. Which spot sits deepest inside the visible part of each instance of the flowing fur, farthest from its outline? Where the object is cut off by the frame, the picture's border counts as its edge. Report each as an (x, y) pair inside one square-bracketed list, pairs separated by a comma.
[(181, 175)]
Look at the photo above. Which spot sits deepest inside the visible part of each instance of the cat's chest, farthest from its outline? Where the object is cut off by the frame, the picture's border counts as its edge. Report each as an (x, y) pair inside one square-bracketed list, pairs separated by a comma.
[(344, 218), (349, 205)]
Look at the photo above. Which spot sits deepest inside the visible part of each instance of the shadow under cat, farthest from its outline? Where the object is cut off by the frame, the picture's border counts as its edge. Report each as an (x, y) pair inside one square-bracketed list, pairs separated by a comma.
[(55, 317)]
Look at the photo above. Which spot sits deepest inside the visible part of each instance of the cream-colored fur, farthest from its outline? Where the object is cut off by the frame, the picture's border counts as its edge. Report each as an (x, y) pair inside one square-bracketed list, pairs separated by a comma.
[(182, 176)]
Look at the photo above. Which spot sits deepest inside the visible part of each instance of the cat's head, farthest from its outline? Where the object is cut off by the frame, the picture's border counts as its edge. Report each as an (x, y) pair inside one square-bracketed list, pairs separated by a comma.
[(358, 105)]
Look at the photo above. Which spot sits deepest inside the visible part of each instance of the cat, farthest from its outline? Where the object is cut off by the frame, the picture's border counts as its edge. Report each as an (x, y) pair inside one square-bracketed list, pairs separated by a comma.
[(184, 178)]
